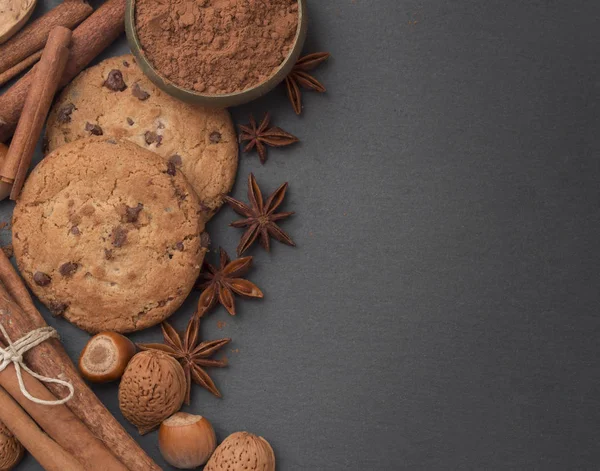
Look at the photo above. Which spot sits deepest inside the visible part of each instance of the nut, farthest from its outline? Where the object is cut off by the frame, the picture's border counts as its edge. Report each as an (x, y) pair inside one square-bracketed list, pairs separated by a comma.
[(11, 450), (186, 441), (105, 357), (242, 451), (152, 389)]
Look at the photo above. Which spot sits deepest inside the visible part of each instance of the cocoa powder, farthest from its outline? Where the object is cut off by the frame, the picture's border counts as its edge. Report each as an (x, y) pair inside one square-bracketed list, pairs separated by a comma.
[(216, 46)]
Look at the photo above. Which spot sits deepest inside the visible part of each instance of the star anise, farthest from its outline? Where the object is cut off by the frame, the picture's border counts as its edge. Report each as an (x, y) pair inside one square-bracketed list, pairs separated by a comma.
[(221, 283), (262, 136), (261, 218), (193, 355), (299, 77)]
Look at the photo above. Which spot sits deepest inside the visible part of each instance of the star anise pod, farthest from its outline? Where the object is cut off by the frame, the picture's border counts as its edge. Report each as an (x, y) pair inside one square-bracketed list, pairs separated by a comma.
[(193, 355), (262, 136), (221, 283), (261, 218), (299, 77)]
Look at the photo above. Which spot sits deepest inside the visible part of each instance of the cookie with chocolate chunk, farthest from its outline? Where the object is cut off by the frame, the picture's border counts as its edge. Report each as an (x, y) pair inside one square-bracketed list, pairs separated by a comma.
[(107, 236), (114, 98)]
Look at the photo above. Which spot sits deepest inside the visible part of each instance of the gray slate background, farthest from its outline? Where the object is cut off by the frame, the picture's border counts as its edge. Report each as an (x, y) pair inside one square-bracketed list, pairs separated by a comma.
[(441, 308)]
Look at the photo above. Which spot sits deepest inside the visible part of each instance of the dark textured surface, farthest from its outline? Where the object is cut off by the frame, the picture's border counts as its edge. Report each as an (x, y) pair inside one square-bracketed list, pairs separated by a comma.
[(441, 308)]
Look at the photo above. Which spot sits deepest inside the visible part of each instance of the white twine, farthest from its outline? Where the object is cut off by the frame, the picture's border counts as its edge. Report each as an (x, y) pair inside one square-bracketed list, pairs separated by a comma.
[(14, 352)]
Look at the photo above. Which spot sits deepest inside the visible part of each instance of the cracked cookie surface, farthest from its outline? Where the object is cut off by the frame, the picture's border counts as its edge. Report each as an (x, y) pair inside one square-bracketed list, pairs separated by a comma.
[(114, 98), (107, 235)]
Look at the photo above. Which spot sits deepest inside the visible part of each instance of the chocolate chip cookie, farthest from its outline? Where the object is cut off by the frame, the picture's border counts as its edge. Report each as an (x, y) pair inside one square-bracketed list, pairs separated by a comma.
[(114, 98), (107, 235)]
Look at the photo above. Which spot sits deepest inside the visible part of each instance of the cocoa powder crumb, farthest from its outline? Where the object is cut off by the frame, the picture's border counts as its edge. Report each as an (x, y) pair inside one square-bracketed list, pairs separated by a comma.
[(216, 46)]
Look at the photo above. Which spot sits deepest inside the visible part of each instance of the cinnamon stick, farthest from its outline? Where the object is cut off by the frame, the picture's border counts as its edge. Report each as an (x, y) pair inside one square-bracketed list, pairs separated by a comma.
[(42, 90), (46, 451), (90, 38), (50, 359), (20, 67), (59, 422), (33, 37)]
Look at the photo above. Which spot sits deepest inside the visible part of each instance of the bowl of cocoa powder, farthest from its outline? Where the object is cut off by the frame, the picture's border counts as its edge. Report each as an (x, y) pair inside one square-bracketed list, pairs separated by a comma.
[(217, 53)]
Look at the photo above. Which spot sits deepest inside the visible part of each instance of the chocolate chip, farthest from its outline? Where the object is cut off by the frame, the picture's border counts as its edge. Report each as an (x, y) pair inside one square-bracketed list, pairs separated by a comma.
[(93, 129), (57, 308), (64, 113), (215, 137), (159, 139), (67, 269), (176, 160), (204, 240), (150, 137), (75, 230), (115, 81), (132, 214), (171, 170), (111, 141), (137, 92), (119, 236), (41, 279), (126, 64), (108, 254), (179, 246), (130, 121)]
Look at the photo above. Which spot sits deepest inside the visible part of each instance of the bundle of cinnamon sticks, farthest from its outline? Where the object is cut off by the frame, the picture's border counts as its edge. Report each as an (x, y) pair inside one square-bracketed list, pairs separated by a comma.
[(80, 434)]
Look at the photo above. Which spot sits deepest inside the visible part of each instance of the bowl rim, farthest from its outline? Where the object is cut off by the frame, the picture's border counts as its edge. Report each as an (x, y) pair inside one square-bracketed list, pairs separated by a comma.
[(228, 99)]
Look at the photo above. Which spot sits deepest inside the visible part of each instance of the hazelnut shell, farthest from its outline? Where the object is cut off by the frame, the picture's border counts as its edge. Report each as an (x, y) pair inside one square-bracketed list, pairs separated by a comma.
[(105, 357), (152, 389), (11, 450), (242, 451)]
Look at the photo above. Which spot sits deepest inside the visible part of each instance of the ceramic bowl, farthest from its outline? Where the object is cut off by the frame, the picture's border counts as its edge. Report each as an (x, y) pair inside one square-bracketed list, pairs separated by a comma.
[(217, 101)]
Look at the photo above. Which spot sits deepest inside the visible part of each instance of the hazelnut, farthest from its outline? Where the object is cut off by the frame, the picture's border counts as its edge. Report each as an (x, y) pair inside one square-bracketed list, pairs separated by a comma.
[(152, 389), (186, 441), (11, 450), (242, 451), (105, 357)]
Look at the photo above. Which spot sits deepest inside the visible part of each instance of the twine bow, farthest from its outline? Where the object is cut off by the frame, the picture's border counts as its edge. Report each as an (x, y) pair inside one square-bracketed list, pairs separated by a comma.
[(14, 352)]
